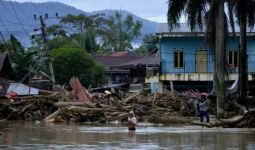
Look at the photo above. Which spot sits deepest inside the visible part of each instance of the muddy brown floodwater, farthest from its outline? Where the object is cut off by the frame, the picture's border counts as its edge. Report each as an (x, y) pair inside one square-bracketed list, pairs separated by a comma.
[(24, 135)]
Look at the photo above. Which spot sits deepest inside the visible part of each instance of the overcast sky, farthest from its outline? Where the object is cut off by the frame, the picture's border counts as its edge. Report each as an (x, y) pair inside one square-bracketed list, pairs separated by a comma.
[(154, 10)]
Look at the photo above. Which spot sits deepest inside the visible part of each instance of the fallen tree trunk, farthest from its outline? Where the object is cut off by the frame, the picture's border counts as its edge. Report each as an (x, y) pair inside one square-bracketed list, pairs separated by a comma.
[(34, 97), (40, 100), (79, 109), (236, 121), (223, 122), (86, 104), (118, 117), (64, 104)]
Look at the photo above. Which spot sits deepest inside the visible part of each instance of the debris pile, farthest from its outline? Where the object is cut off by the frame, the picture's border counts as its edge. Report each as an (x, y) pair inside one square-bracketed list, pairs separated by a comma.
[(80, 105), (28, 108), (103, 107)]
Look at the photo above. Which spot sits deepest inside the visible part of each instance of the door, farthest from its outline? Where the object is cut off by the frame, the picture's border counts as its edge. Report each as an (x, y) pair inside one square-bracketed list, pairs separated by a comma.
[(201, 61)]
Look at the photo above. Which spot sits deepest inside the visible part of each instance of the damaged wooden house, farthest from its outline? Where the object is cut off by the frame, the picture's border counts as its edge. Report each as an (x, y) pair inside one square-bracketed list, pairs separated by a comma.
[(126, 69)]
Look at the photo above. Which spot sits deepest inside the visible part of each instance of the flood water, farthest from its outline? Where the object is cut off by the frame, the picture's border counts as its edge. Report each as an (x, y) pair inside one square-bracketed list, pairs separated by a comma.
[(23, 135)]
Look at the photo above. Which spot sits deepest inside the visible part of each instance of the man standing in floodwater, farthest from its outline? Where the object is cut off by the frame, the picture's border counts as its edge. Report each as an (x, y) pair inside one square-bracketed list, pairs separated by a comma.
[(203, 107), (132, 121)]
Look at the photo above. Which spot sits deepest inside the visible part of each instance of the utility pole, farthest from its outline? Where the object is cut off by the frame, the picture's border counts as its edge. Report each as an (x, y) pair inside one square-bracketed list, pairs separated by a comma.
[(43, 30)]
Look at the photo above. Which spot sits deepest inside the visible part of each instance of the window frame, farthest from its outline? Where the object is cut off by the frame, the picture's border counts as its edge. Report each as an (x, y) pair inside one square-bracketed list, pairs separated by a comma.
[(180, 64), (234, 58)]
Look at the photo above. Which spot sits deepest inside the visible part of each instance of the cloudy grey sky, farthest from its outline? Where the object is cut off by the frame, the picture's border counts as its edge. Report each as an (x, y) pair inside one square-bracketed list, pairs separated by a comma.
[(154, 10)]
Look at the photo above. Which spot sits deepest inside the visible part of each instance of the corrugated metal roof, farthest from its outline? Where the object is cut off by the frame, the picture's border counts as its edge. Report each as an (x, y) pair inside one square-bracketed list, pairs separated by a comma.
[(185, 28), (108, 61), (123, 53), (22, 89), (119, 53), (151, 61)]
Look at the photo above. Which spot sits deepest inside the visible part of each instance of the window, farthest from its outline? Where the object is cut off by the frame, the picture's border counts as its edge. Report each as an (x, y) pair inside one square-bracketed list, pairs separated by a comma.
[(233, 58), (178, 59)]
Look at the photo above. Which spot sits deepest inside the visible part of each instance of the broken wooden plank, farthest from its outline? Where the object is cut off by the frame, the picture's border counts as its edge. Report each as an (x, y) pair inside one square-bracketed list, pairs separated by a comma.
[(79, 109), (127, 100), (64, 104), (25, 108), (53, 115), (118, 117)]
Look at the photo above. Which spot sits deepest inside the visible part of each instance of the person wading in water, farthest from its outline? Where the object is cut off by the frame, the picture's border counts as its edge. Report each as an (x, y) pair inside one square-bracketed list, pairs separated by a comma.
[(132, 121)]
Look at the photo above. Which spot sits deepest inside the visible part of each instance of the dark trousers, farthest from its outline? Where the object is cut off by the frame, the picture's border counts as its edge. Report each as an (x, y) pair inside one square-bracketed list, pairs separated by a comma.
[(131, 126), (204, 114)]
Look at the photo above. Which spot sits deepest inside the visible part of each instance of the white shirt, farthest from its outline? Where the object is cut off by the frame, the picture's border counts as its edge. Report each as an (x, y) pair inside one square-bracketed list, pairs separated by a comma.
[(132, 120)]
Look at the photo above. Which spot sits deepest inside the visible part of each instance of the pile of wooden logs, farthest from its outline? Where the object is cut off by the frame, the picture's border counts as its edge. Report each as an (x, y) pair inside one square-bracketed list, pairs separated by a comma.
[(61, 105), (28, 108)]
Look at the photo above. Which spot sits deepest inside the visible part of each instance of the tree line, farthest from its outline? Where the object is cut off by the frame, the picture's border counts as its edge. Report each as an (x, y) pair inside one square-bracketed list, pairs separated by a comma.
[(71, 45)]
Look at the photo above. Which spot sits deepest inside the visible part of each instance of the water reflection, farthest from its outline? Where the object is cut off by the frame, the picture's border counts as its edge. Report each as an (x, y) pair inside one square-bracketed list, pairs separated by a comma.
[(76, 136)]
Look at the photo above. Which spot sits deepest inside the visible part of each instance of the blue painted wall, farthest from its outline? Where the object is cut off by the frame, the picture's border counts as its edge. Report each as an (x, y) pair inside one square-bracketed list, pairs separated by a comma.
[(189, 45), (233, 44)]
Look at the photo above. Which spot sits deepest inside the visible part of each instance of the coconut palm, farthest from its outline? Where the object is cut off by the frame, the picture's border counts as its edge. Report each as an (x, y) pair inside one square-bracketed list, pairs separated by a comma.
[(196, 12), (220, 47), (244, 11), (21, 59)]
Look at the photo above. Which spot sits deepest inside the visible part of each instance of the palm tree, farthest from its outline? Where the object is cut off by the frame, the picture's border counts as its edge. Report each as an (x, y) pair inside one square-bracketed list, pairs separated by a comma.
[(245, 12), (197, 11), (220, 47), (21, 59)]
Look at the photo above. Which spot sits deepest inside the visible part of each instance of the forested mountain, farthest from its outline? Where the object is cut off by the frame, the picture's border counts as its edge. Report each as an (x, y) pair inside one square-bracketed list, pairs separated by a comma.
[(18, 18)]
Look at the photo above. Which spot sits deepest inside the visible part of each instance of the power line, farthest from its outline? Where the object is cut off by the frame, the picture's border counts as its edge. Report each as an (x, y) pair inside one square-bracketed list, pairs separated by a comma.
[(18, 18), (17, 23), (14, 31), (4, 26), (7, 9), (18, 5)]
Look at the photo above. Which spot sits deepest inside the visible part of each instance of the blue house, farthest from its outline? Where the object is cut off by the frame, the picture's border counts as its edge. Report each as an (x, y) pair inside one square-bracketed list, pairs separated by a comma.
[(186, 62)]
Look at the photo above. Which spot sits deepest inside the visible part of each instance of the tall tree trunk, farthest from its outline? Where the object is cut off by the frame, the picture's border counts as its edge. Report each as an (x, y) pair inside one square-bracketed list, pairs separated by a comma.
[(243, 75), (220, 56), (215, 81)]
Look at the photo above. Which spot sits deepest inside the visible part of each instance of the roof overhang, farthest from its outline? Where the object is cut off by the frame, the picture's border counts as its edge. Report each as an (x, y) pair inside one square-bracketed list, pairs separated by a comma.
[(195, 34), (118, 71), (134, 66)]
